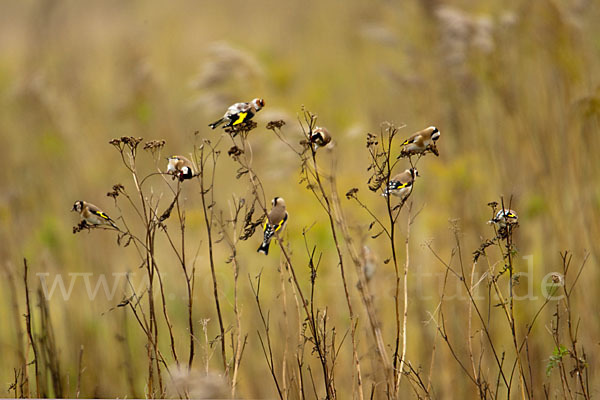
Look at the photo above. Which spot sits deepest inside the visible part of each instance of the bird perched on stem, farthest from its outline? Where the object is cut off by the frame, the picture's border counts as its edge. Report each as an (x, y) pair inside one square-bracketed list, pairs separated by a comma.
[(180, 167), (504, 217), (320, 137), (401, 185), (421, 141), (275, 223), (239, 113), (92, 215)]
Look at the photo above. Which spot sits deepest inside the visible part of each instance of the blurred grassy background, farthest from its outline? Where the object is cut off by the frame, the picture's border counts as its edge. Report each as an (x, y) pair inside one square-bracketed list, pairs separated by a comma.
[(513, 88)]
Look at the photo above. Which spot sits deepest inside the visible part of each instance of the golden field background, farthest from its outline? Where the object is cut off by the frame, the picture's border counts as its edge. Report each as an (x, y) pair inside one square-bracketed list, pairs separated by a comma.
[(513, 88)]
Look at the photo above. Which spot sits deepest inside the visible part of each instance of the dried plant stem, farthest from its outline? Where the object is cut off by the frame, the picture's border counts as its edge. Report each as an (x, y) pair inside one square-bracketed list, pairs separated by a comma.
[(127, 148), (313, 324), (364, 290), (167, 320), (463, 280), (513, 329), (476, 308), (49, 350), (239, 347), (579, 360), (32, 342), (150, 269), (470, 328), (282, 280), (229, 232), (267, 351), (392, 229), (207, 210), (327, 206), (207, 356), (405, 287), (189, 279), (79, 372), (22, 382)]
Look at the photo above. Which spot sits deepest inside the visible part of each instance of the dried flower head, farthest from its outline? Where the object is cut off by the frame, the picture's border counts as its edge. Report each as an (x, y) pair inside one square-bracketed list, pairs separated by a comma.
[(249, 225), (351, 193), (129, 141), (272, 125), (481, 250), (154, 145), (167, 213), (371, 140), (116, 191), (235, 152), (244, 128), (81, 226)]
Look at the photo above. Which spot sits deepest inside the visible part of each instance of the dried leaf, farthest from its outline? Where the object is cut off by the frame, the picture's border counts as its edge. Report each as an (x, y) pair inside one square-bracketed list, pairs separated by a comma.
[(376, 235)]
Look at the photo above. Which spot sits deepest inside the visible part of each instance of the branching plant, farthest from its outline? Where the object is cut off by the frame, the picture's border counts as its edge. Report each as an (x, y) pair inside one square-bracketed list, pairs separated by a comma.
[(306, 343)]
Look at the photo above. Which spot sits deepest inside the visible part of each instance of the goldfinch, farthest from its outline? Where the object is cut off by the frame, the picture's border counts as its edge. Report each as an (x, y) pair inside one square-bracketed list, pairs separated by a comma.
[(92, 215), (320, 137), (239, 112), (180, 167), (275, 223), (401, 185), (504, 217), (421, 141)]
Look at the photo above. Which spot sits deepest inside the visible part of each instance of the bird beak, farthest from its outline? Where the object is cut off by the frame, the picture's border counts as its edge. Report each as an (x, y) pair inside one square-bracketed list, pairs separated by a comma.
[(73, 209)]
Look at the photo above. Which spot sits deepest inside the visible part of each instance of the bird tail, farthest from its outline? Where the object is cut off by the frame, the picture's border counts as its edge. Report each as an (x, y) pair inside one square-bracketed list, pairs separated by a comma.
[(216, 123), (264, 248), (110, 221)]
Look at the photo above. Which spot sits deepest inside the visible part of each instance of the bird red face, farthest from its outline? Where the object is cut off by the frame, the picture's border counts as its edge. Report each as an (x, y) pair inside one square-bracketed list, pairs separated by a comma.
[(258, 103)]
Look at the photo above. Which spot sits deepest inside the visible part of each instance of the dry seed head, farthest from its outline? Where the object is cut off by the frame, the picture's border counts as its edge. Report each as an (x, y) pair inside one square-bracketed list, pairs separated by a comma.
[(116, 190), (243, 128), (351, 193), (272, 125), (235, 152), (154, 145), (81, 226), (371, 140)]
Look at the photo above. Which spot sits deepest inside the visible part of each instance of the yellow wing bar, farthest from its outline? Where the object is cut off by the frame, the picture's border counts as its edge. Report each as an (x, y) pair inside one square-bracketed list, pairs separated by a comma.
[(241, 117)]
